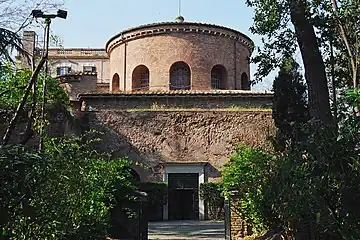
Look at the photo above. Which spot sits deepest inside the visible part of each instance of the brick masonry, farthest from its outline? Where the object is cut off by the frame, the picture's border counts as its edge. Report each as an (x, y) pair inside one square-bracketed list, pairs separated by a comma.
[(239, 228), (200, 46)]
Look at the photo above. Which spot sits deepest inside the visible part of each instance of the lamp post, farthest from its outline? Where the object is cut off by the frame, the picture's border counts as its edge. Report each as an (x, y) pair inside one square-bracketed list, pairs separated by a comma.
[(39, 14)]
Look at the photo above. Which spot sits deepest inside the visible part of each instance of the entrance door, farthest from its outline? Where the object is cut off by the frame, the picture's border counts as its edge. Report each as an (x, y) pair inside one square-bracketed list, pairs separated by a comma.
[(183, 201), (182, 204)]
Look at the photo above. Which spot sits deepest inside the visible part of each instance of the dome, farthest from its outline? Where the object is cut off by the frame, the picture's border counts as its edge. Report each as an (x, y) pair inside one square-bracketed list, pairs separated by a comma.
[(179, 19)]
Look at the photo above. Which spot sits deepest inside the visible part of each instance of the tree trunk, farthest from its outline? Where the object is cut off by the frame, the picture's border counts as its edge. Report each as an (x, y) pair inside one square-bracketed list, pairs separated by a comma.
[(315, 75)]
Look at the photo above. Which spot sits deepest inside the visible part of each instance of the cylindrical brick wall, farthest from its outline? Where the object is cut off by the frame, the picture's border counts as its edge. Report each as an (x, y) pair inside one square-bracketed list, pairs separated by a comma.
[(159, 46)]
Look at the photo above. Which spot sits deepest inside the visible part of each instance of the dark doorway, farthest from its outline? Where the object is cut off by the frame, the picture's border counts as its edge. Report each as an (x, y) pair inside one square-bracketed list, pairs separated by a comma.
[(181, 204), (183, 196)]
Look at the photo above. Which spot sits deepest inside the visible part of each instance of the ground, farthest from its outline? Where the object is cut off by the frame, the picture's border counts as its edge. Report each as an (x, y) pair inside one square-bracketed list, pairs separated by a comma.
[(204, 230)]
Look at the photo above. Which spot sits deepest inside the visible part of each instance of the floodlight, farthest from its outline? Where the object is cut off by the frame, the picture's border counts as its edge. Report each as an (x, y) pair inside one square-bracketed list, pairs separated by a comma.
[(62, 14)]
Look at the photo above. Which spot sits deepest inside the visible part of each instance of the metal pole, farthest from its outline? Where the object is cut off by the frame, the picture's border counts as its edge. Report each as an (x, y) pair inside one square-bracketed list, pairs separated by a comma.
[(42, 120)]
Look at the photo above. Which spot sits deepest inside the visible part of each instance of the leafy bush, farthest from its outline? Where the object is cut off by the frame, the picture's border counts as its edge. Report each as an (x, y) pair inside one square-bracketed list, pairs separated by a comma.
[(245, 177), (157, 191), (211, 192), (308, 190), (65, 193), (12, 87)]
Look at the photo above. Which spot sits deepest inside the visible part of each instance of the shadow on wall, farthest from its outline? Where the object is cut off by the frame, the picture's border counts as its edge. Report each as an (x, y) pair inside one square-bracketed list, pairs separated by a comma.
[(157, 148), (120, 146), (212, 172)]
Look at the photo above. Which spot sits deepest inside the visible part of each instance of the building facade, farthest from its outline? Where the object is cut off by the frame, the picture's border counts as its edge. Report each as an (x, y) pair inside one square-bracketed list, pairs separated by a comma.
[(174, 96)]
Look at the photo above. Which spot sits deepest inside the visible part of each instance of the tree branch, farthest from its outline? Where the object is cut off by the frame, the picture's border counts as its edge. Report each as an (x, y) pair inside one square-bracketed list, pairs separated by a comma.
[(346, 42), (21, 105)]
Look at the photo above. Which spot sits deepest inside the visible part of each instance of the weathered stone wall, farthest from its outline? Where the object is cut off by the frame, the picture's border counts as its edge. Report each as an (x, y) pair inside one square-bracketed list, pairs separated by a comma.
[(108, 101), (74, 84), (156, 137)]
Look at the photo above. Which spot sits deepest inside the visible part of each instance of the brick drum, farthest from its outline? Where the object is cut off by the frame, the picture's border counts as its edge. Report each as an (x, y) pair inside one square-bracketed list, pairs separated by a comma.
[(158, 46)]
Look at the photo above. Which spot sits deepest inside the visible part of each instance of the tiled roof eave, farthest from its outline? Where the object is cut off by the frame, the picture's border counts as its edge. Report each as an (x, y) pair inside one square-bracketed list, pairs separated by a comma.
[(244, 94)]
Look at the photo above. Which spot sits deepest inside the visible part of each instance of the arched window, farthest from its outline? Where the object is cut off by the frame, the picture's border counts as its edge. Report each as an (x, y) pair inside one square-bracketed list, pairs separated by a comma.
[(140, 78), (115, 84), (180, 76), (245, 84), (218, 77)]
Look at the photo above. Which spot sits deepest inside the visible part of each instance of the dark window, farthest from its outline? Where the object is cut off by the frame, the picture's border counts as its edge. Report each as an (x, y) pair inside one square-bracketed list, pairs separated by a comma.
[(180, 76), (245, 83), (89, 69), (218, 77), (63, 70), (140, 78), (115, 84)]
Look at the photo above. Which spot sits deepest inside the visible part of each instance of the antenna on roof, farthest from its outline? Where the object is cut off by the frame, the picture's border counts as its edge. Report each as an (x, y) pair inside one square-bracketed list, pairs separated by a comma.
[(179, 19)]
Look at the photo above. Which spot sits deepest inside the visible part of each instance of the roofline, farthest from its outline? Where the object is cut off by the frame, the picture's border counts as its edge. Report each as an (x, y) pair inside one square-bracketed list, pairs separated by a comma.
[(168, 94), (175, 23), (79, 49)]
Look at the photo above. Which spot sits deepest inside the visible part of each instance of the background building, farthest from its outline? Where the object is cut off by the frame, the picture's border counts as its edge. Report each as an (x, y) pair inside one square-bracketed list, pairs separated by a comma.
[(174, 96)]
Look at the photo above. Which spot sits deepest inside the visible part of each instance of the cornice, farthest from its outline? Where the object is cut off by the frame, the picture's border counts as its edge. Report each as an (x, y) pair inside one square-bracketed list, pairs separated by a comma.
[(174, 27)]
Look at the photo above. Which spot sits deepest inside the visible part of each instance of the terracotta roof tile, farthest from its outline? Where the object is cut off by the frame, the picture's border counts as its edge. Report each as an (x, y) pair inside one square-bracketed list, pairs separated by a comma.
[(180, 92)]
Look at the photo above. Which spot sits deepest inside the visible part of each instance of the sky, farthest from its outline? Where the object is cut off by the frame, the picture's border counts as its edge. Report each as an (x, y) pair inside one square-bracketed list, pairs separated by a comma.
[(91, 23)]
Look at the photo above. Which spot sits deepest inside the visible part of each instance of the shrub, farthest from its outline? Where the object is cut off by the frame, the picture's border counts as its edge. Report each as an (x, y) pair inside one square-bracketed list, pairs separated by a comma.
[(307, 190), (212, 194), (65, 193), (246, 173), (157, 193)]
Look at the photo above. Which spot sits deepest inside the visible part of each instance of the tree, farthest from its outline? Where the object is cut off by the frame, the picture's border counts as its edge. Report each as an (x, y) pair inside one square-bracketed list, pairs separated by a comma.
[(14, 17), (283, 23), (289, 104), (17, 99)]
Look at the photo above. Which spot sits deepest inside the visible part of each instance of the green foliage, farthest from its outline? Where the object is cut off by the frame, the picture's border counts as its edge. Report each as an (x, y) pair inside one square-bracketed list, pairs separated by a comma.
[(316, 193), (244, 177), (272, 20), (308, 190), (289, 103), (12, 87), (157, 192), (211, 192), (353, 96), (65, 193)]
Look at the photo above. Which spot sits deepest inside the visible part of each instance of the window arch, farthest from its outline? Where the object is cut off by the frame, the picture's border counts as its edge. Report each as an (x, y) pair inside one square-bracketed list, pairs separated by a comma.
[(180, 76), (245, 83), (115, 83), (135, 177), (140, 78), (218, 77)]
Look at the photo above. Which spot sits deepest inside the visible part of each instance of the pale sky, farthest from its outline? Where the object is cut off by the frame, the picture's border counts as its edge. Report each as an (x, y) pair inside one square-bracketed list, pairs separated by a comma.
[(91, 23)]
